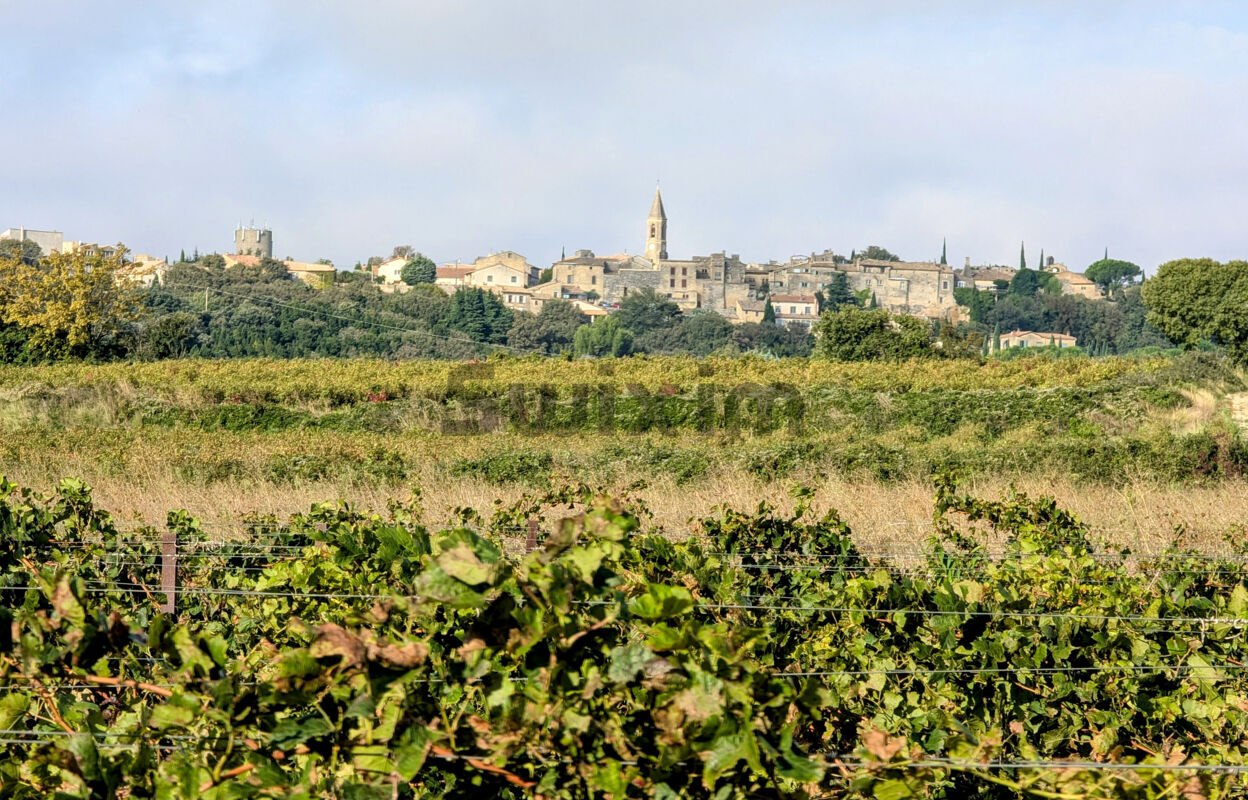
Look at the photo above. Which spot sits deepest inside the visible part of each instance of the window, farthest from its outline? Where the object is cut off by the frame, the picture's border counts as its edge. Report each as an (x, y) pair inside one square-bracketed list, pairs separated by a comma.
[(671, 284), (652, 231), (513, 278), (593, 280), (489, 278), (683, 283), (944, 284), (792, 309), (684, 270)]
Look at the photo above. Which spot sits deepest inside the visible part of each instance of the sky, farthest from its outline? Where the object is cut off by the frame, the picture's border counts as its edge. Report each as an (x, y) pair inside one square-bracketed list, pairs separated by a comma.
[(464, 127)]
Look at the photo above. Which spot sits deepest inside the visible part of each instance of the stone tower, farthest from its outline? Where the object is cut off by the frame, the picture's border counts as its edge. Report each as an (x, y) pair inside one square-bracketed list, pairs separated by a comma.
[(656, 231), (253, 242)]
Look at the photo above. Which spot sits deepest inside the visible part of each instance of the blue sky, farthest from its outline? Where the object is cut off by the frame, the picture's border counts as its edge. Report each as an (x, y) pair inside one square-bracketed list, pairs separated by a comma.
[(776, 128)]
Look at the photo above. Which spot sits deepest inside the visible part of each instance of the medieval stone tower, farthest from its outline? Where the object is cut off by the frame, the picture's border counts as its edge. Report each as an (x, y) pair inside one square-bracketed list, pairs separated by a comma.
[(253, 242), (656, 231)]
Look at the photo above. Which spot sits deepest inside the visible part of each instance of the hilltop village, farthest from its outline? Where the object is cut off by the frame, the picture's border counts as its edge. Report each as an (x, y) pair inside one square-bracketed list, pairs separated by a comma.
[(790, 294)]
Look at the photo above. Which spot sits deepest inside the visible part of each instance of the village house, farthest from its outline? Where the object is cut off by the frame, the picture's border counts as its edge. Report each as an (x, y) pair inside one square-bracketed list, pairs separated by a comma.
[(390, 271), (317, 275), (143, 270), (795, 309), (1036, 339), (1075, 283)]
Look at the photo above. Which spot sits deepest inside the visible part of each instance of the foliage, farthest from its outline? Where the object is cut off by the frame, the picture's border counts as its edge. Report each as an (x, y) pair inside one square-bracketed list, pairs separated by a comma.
[(418, 269), (854, 334), (1109, 273), (1193, 300), (606, 337), (647, 310), (551, 330), (358, 655), (68, 304), (838, 293), (20, 250), (877, 253), (479, 314)]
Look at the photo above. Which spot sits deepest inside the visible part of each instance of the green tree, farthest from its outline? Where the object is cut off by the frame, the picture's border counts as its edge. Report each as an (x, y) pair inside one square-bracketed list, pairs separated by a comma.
[(878, 253), (479, 314), (70, 304), (856, 334), (552, 330), (27, 251), (769, 313), (546, 275), (647, 310), (1198, 299), (606, 337), (419, 269), (170, 336), (1026, 282), (1022, 257), (1110, 274), (838, 292), (944, 244)]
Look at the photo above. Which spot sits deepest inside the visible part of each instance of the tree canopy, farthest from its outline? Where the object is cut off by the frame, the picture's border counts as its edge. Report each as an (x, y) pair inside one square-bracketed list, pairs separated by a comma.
[(856, 334), (647, 310), (418, 269), (69, 304), (1109, 273), (1193, 300), (606, 337), (877, 253)]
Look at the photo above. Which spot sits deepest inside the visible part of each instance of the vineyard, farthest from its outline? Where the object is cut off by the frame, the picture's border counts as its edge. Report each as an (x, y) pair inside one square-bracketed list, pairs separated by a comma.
[(563, 648), (223, 438)]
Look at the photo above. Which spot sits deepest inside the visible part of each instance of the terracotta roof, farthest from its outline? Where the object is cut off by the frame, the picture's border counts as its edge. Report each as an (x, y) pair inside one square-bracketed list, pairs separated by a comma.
[(1045, 334), (792, 298), (246, 261), (455, 272)]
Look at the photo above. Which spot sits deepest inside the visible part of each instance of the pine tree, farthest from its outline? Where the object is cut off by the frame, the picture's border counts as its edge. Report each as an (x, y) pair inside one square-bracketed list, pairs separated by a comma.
[(943, 248), (1022, 256), (182, 257)]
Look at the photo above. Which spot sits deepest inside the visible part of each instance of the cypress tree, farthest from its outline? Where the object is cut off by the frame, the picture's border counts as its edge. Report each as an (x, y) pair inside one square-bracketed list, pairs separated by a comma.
[(874, 303), (1022, 256), (1041, 258), (943, 249), (996, 337), (182, 257), (769, 313)]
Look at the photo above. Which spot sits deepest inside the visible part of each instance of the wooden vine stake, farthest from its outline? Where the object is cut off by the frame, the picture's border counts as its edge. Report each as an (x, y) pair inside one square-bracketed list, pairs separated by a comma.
[(531, 544), (169, 570)]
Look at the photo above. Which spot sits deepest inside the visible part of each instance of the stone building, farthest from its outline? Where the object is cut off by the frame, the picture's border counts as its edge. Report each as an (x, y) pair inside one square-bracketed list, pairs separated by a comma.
[(795, 309), (714, 282), (48, 241), (1075, 283), (1036, 339), (919, 288), (253, 242)]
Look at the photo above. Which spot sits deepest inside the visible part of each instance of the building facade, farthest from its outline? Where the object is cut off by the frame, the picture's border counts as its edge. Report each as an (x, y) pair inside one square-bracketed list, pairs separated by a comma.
[(48, 241), (253, 242)]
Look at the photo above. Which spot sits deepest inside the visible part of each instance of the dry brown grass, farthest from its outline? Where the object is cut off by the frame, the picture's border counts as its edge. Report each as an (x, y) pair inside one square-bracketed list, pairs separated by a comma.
[(1142, 515)]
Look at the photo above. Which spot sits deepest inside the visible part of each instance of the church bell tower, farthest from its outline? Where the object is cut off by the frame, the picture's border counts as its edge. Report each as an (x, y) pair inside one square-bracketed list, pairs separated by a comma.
[(656, 231)]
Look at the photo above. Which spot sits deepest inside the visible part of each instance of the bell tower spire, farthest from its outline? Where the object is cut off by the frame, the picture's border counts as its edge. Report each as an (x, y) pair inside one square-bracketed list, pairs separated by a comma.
[(656, 230)]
